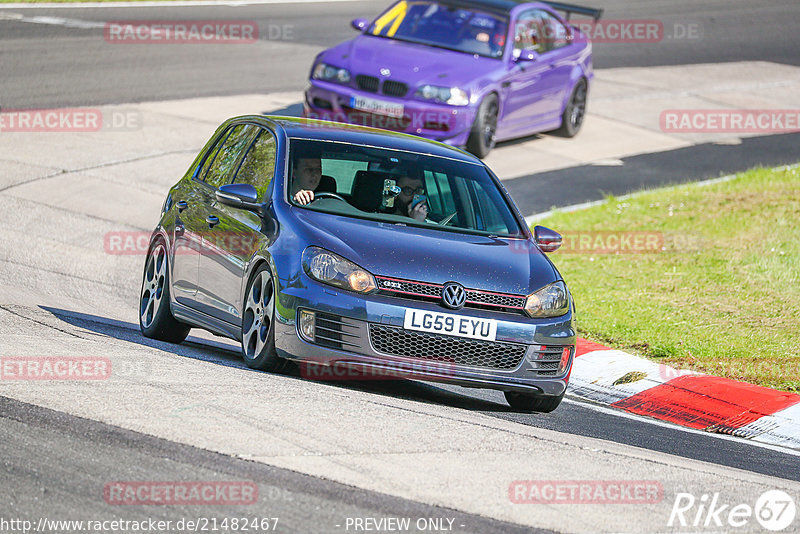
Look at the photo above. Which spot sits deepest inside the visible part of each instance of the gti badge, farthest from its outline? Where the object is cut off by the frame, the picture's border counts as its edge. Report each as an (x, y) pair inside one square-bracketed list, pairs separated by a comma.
[(454, 295)]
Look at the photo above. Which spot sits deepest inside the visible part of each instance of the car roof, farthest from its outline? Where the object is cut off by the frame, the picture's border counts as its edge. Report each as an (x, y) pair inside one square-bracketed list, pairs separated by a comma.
[(496, 6), (297, 127)]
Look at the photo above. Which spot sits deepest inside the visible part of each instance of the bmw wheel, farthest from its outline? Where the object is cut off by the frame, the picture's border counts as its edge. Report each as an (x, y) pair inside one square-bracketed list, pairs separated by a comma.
[(481, 139), (258, 324), (155, 318), (531, 403), (574, 111)]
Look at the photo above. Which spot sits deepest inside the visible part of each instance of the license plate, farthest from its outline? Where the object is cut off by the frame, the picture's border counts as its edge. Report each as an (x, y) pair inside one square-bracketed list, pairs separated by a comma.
[(377, 106), (450, 324)]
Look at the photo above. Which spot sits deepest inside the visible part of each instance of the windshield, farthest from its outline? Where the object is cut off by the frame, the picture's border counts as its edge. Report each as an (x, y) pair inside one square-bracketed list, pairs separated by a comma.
[(454, 28), (398, 187)]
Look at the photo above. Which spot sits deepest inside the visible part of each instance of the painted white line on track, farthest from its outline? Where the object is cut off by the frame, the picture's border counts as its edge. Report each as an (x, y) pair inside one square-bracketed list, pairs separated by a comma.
[(530, 219), (177, 3), (621, 413), (58, 21)]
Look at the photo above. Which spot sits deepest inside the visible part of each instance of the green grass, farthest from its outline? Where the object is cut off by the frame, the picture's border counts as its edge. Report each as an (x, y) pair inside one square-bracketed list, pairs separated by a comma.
[(722, 293)]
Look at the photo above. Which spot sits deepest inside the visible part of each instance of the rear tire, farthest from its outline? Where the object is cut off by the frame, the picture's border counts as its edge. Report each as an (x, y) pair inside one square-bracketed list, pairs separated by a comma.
[(481, 138), (574, 111), (258, 324), (532, 403), (155, 317)]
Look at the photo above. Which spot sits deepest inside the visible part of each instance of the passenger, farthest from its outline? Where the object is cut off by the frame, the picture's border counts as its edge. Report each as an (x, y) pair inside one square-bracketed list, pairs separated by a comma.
[(408, 188), (307, 176)]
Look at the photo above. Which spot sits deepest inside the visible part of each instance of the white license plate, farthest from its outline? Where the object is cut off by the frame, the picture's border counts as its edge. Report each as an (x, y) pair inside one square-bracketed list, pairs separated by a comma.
[(450, 324), (377, 106)]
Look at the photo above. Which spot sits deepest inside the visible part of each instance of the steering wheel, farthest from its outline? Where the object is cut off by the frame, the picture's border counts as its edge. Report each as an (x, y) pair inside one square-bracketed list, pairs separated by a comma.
[(447, 219), (326, 194)]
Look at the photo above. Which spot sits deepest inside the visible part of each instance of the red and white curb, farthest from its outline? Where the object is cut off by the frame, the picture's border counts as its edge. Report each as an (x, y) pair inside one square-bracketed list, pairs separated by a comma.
[(703, 402)]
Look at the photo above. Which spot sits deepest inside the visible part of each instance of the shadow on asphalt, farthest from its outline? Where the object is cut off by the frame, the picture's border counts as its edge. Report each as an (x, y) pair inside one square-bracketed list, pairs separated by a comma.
[(228, 355)]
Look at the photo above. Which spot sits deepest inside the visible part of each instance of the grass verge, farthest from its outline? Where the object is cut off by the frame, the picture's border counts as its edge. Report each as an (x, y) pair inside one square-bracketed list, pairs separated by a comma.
[(704, 277)]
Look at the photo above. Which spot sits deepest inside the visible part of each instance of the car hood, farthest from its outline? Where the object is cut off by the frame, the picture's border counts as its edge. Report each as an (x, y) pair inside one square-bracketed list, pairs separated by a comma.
[(514, 266), (411, 63)]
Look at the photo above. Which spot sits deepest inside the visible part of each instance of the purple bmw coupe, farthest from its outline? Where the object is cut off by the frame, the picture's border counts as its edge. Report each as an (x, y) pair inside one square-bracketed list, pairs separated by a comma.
[(465, 72)]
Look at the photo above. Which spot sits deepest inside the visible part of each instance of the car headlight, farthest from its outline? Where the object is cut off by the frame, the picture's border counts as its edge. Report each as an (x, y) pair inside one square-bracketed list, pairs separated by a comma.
[(450, 95), (334, 270), (550, 301), (329, 73)]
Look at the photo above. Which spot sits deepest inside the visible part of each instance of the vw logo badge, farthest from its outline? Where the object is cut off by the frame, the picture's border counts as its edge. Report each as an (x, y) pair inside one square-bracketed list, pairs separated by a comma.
[(385, 72), (454, 295)]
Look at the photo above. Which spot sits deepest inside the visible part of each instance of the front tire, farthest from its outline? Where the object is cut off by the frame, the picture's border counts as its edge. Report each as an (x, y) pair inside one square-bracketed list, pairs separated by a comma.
[(258, 324), (531, 403), (155, 317), (574, 111), (481, 138)]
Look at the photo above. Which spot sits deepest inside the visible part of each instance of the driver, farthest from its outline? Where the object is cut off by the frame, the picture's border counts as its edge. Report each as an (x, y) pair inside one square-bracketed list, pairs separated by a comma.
[(307, 176)]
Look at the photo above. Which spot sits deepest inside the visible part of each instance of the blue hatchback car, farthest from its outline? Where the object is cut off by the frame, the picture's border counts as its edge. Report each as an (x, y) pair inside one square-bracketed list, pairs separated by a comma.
[(465, 72), (344, 247)]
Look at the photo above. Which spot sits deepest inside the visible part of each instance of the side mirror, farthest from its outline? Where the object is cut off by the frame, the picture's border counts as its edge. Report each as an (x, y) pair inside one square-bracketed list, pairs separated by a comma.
[(527, 55), (242, 196), (359, 24), (547, 239)]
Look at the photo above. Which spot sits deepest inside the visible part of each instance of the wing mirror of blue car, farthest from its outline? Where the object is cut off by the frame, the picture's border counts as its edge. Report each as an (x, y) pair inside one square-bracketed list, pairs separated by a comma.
[(359, 24), (547, 239), (242, 196), (527, 56)]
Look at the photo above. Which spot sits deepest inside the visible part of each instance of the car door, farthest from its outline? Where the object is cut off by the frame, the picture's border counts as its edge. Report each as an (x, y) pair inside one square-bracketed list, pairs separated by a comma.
[(189, 227), (230, 243), (531, 87), (560, 55)]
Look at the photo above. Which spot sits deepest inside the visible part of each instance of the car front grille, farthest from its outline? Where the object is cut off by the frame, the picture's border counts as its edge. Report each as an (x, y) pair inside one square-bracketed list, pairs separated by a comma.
[(395, 341), (367, 83), (433, 292), (392, 88), (334, 331)]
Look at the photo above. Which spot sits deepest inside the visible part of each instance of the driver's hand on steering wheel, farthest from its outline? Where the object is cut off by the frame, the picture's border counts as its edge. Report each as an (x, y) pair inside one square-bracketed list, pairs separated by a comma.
[(304, 196)]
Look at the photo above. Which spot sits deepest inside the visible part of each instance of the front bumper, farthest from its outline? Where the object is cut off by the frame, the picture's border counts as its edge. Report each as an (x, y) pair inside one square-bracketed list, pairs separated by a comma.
[(365, 315), (440, 122)]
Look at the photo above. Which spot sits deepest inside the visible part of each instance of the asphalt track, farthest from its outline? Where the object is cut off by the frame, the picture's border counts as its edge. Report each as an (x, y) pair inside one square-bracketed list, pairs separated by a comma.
[(72, 66), (56, 462)]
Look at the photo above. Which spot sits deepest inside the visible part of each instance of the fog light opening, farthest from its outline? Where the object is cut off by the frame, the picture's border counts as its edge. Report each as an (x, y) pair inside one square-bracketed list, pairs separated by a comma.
[(307, 324), (565, 357)]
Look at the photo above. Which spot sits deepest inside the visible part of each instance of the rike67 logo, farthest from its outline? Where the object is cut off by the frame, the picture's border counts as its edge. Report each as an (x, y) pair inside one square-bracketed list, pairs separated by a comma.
[(774, 510)]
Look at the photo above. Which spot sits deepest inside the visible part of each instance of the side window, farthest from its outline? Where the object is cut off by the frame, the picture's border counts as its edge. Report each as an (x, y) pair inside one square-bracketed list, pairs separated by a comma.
[(218, 171), (490, 218), (343, 171), (258, 166), (529, 33), (556, 34)]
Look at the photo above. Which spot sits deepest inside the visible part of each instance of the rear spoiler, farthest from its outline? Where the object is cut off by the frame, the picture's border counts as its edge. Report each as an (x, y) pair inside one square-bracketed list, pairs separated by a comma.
[(569, 9)]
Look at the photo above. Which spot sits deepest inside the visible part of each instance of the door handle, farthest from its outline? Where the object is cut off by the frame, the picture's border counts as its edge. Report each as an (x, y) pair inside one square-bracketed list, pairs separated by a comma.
[(181, 205), (212, 221)]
